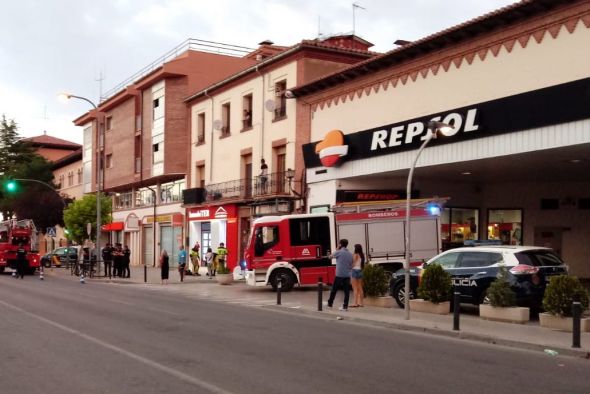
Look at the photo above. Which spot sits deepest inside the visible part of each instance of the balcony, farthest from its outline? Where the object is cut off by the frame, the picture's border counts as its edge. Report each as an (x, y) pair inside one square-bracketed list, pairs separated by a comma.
[(275, 185)]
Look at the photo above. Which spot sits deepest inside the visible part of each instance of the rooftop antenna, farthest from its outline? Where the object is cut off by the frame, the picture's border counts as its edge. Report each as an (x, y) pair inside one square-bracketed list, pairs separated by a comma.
[(99, 80), (354, 7)]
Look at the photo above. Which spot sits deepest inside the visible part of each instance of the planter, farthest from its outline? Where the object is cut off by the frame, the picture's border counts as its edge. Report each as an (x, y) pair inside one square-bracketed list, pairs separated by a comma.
[(420, 305), (562, 323), (224, 279), (518, 315), (381, 302)]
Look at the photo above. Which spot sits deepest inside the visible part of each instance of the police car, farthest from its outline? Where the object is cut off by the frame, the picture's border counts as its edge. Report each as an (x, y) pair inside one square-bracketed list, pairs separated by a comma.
[(473, 269)]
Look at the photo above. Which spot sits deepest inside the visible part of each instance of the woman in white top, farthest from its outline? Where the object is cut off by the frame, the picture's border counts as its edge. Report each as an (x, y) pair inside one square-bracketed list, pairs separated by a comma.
[(209, 261), (356, 276)]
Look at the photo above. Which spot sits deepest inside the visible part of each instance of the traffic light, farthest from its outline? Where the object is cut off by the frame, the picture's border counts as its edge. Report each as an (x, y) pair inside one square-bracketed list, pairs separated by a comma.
[(11, 186)]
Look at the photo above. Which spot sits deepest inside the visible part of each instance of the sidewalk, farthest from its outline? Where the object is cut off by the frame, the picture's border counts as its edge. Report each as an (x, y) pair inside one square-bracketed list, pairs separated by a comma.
[(305, 301)]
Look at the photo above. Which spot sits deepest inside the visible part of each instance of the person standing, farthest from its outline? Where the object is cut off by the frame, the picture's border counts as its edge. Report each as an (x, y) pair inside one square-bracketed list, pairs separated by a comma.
[(181, 262), (263, 176), (21, 261), (356, 277), (107, 258), (118, 260), (342, 280), (195, 258), (209, 262), (221, 255), (164, 267), (126, 261)]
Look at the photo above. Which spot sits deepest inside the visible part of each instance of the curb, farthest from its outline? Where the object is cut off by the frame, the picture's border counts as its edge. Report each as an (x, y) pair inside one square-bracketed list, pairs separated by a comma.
[(461, 335)]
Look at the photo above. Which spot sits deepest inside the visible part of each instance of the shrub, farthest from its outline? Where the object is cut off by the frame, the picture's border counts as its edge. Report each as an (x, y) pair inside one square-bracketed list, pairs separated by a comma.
[(500, 293), (375, 281), (222, 269), (560, 294), (435, 285)]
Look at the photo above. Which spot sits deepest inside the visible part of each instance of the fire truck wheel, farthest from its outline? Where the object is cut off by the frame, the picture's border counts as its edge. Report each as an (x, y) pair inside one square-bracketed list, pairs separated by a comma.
[(287, 280), (399, 294)]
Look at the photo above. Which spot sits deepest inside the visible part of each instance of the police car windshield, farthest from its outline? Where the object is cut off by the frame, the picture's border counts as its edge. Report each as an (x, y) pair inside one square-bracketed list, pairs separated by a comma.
[(538, 258)]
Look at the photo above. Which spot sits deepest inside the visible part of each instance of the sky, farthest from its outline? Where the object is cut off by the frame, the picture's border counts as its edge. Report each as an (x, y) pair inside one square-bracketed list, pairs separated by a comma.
[(87, 47)]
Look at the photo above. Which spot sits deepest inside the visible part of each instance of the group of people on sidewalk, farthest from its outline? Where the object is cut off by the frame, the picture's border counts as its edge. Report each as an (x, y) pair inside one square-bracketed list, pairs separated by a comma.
[(349, 271), (116, 260), (211, 260)]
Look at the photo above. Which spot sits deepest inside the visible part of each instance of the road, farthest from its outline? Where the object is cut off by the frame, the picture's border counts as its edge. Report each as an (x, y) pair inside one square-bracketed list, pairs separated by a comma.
[(63, 337)]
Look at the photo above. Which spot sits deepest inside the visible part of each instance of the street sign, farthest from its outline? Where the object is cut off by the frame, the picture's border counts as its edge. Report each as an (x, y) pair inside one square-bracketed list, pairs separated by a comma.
[(51, 231), (88, 228)]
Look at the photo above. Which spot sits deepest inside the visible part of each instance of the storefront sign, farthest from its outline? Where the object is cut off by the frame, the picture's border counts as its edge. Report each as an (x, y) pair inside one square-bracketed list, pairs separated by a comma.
[(371, 195), (212, 212), (553, 105)]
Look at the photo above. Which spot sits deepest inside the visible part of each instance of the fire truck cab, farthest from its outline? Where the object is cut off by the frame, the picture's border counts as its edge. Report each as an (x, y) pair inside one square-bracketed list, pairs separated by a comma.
[(295, 249)]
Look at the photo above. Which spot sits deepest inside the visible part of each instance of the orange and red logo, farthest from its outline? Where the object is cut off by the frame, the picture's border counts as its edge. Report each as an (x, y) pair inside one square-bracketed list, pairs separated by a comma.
[(332, 148)]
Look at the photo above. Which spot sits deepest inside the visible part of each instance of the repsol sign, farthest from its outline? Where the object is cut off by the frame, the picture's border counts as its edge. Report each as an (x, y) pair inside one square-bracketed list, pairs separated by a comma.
[(543, 107), (408, 133)]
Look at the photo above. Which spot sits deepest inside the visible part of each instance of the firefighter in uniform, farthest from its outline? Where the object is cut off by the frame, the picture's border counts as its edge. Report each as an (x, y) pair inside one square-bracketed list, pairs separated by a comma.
[(21, 261)]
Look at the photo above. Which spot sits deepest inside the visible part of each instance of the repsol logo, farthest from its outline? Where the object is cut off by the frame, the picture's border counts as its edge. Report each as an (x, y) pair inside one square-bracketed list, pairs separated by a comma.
[(407, 133), (463, 282)]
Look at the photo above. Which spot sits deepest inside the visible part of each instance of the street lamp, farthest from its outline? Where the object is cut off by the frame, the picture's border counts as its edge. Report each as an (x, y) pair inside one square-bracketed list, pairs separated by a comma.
[(67, 96), (432, 129), (153, 236)]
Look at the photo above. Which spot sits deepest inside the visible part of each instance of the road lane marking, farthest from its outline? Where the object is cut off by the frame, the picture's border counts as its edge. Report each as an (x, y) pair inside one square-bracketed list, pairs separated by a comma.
[(187, 378)]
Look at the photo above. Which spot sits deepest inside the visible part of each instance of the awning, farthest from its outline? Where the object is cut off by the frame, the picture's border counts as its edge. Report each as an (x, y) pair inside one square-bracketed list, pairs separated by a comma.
[(115, 226)]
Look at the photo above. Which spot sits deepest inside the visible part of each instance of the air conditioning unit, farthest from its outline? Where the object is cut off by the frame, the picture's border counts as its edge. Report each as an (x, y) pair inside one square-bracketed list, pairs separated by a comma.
[(197, 195)]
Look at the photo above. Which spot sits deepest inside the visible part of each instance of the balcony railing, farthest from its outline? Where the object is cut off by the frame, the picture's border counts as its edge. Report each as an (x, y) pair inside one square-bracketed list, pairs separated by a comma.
[(275, 184)]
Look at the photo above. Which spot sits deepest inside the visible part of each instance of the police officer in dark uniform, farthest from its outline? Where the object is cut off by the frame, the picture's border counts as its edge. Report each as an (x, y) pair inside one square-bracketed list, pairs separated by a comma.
[(21, 261), (107, 257)]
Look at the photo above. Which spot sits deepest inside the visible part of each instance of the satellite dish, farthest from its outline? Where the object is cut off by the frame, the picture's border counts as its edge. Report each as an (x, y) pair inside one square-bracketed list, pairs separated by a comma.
[(270, 105), (217, 124)]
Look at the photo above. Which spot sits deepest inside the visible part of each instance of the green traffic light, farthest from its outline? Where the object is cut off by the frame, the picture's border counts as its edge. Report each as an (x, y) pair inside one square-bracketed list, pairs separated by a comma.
[(11, 186)]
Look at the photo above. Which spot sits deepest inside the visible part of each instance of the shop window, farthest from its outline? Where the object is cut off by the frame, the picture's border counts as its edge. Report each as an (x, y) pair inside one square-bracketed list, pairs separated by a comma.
[(458, 225), (505, 225)]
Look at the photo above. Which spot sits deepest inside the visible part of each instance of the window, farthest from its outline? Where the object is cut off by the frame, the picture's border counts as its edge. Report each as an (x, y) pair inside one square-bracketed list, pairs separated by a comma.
[(123, 200), (458, 225), (266, 238), (247, 112), (108, 123), (158, 108), (144, 197), (158, 152), (448, 260), (201, 175), (479, 259), (137, 153), (225, 119), (79, 176), (61, 181), (71, 178), (171, 192), (200, 128), (280, 100), (109, 160), (505, 225)]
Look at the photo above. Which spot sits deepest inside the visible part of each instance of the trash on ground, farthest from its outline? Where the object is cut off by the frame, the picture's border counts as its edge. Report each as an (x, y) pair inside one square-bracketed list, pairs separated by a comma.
[(338, 317), (550, 352)]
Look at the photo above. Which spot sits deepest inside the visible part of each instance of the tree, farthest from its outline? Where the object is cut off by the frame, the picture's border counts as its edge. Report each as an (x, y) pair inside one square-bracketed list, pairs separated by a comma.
[(33, 200), (81, 212)]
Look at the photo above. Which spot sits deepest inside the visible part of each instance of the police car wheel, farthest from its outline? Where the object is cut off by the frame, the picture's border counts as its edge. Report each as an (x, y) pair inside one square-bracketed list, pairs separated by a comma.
[(399, 294)]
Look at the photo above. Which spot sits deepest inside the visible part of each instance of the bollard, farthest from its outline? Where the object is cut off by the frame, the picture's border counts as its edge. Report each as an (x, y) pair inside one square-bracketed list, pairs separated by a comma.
[(320, 293), (41, 273), (279, 285), (576, 312), (456, 310)]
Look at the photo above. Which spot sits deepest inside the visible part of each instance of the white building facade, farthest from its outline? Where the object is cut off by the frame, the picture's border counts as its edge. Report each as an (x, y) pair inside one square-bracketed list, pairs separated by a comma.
[(516, 86)]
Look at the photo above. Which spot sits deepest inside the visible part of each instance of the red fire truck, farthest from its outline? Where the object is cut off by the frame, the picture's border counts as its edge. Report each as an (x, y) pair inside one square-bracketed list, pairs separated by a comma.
[(12, 234), (294, 249)]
